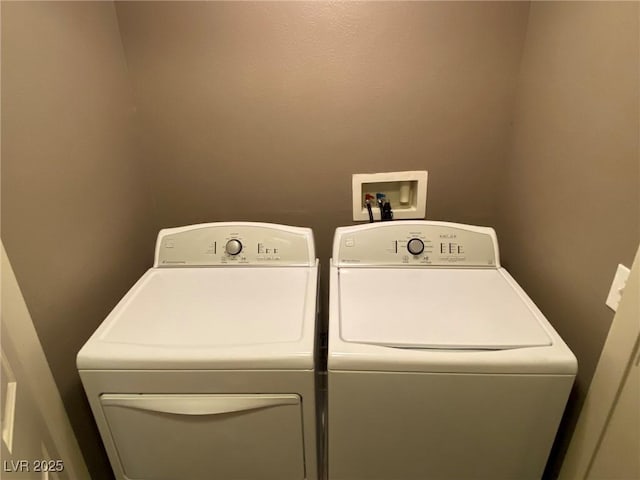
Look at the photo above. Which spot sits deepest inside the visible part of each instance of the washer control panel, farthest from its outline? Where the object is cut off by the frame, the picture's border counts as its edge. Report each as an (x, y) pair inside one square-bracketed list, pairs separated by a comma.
[(235, 243), (416, 243)]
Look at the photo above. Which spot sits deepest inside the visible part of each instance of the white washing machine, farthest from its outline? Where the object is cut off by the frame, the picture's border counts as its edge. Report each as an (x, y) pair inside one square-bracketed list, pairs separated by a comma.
[(205, 369), (439, 364)]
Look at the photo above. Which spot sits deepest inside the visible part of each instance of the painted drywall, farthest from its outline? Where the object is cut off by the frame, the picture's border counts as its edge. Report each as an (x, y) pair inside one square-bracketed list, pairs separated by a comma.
[(75, 215), (263, 110), (570, 205)]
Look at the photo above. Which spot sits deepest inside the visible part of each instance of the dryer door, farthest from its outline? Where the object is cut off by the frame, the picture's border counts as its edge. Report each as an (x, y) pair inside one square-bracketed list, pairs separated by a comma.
[(207, 436)]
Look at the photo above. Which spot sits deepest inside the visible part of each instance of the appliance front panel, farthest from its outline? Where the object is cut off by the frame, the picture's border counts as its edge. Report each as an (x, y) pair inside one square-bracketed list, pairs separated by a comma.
[(409, 426), (206, 384), (201, 437)]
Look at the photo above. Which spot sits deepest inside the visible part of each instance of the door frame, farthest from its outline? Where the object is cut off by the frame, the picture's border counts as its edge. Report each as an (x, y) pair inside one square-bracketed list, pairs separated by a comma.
[(18, 326)]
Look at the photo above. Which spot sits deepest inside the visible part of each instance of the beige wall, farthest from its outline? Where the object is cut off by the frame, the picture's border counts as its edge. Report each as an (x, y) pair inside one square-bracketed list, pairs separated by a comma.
[(74, 212), (262, 111), (245, 111), (570, 206)]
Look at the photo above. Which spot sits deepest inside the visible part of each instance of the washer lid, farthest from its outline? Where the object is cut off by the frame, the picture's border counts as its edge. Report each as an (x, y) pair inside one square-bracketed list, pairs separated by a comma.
[(211, 307), (436, 308)]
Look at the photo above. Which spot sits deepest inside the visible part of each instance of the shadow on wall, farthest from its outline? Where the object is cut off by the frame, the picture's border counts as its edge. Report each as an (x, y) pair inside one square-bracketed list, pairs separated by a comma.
[(573, 161)]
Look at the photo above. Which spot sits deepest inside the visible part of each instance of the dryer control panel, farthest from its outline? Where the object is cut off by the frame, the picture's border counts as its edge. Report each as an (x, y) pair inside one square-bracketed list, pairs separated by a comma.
[(416, 244), (235, 243)]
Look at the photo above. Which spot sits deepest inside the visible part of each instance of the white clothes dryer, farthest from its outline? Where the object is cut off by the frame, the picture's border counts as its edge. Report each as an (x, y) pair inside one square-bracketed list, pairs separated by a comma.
[(439, 364), (206, 368)]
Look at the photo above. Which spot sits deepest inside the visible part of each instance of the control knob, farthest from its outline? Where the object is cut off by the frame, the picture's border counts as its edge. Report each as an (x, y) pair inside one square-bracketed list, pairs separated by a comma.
[(415, 246), (233, 247)]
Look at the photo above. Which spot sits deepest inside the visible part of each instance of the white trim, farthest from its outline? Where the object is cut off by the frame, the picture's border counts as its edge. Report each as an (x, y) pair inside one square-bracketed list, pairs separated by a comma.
[(9, 413), (616, 357), (18, 325)]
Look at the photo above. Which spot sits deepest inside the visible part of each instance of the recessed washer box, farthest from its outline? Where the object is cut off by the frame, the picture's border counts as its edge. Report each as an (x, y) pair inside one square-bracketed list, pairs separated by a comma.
[(406, 191)]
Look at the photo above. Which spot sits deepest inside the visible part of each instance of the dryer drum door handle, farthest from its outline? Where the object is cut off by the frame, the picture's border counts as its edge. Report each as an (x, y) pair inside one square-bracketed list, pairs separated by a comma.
[(198, 404)]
